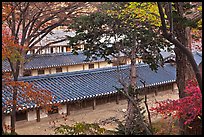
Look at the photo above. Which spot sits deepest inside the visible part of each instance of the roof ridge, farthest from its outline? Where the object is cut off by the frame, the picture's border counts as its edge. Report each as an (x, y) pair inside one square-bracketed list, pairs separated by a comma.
[(54, 54)]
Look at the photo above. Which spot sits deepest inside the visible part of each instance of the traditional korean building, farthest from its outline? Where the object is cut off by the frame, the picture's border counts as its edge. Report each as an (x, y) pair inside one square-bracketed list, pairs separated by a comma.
[(43, 64), (87, 87), (79, 89)]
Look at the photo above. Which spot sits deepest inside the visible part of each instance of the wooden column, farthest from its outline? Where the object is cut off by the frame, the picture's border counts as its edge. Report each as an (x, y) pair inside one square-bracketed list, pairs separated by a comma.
[(98, 64), (117, 98), (83, 67), (68, 109), (172, 87), (156, 90), (84, 103), (94, 103), (38, 114)]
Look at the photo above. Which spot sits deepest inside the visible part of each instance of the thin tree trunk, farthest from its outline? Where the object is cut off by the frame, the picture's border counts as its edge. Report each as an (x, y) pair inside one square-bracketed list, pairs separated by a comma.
[(13, 113), (15, 73), (22, 62)]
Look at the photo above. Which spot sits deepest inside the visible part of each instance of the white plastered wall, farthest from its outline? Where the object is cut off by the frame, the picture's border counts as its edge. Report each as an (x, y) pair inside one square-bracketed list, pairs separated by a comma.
[(31, 115), (43, 114), (34, 73), (62, 109), (53, 70), (64, 69), (7, 120), (105, 64), (75, 67), (47, 71)]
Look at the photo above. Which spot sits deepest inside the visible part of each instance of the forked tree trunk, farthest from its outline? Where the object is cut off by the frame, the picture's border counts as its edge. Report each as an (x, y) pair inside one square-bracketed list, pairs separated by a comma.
[(134, 117)]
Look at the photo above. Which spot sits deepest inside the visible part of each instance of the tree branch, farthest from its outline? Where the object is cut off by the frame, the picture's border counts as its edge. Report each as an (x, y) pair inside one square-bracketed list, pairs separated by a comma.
[(179, 45), (49, 29)]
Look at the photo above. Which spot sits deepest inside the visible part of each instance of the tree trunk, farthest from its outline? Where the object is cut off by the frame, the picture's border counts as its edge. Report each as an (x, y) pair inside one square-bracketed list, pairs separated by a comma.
[(13, 113), (130, 108), (22, 66), (135, 123), (15, 73), (184, 70), (2, 124)]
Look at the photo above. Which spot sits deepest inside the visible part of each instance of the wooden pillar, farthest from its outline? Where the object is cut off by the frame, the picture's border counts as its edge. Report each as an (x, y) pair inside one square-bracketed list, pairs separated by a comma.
[(68, 109), (156, 90), (108, 98), (117, 98), (98, 64), (172, 86), (94, 103), (84, 103), (83, 66), (38, 114)]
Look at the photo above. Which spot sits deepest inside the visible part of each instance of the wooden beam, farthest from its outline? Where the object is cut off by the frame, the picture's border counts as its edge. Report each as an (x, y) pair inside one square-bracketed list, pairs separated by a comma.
[(94, 104), (68, 109), (38, 114)]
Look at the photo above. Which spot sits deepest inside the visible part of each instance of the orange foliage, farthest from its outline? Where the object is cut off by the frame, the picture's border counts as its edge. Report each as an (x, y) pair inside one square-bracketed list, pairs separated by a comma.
[(27, 92)]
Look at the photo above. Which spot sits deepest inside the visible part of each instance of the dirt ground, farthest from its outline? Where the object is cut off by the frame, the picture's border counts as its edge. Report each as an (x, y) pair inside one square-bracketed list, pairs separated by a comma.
[(102, 112)]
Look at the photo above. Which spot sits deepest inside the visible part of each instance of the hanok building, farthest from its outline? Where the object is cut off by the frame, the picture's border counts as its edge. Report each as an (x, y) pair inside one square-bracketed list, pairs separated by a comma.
[(88, 88), (43, 64), (78, 89)]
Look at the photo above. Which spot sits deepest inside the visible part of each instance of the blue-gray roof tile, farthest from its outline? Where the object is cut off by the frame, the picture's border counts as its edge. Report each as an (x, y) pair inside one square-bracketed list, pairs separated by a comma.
[(51, 60), (88, 83)]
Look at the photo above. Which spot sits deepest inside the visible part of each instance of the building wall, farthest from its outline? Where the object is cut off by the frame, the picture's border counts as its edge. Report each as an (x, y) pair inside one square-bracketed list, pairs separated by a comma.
[(47, 71), (175, 87), (31, 115), (86, 66), (43, 114), (7, 120), (75, 68), (104, 64), (96, 65), (34, 73), (53, 70), (62, 109), (74, 106), (64, 69)]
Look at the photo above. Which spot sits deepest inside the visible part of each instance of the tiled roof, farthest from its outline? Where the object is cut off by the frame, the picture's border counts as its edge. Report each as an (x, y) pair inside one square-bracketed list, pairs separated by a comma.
[(197, 57), (167, 56), (52, 60), (65, 59), (85, 84)]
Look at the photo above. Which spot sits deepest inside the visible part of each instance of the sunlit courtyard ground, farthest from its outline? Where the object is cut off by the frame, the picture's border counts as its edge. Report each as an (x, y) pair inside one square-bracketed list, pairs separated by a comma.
[(102, 112)]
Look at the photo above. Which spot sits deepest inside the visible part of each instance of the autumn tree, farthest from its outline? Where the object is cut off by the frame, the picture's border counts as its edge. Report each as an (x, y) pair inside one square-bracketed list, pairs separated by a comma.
[(189, 108), (30, 22), (106, 34), (175, 20), (24, 24), (181, 18)]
